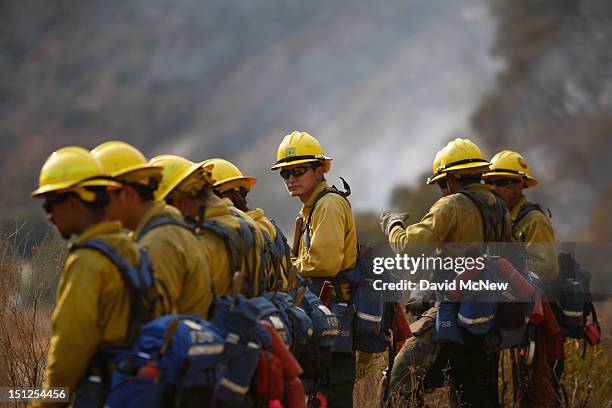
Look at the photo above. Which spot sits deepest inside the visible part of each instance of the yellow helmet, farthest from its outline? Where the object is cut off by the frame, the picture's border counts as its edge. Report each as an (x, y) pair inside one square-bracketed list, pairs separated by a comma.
[(227, 176), (462, 156), (509, 164), (300, 147), (436, 174), (70, 169), (180, 177), (124, 162)]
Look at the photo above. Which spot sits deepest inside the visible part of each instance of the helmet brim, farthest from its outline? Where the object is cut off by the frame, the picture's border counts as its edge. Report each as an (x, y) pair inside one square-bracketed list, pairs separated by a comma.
[(433, 179), (237, 181), (162, 194), (145, 169), (50, 188)]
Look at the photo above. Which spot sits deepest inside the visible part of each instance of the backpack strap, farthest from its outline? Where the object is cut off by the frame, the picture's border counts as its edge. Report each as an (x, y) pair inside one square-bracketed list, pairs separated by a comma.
[(160, 221), (139, 282), (526, 209), (283, 250), (329, 190), (238, 241), (230, 239), (492, 215)]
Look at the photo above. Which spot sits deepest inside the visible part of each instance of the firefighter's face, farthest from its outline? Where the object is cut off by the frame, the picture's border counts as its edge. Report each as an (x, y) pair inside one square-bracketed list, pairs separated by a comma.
[(510, 190), (301, 179), (62, 211)]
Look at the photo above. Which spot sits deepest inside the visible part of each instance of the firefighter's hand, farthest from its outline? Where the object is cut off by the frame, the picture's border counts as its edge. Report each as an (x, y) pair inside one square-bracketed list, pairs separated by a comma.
[(388, 220)]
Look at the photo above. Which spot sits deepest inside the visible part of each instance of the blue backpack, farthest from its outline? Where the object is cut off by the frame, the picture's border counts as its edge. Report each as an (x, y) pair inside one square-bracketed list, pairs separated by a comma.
[(297, 320), (361, 319), (277, 317), (172, 363)]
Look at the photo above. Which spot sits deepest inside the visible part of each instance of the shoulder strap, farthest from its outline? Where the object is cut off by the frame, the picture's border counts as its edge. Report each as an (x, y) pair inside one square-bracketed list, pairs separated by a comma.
[(238, 242), (324, 192), (492, 216), (228, 237), (280, 241), (280, 252), (141, 278), (159, 221), (526, 209), (139, 282)]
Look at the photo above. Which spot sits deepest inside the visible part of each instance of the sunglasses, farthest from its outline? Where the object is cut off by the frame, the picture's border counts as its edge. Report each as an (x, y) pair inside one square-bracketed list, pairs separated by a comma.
[(296, 172), (52, 200), (502, 182), (443, 184)]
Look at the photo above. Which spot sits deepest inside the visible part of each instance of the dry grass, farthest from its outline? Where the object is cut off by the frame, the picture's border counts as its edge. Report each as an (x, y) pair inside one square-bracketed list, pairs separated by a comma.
[(587, 381), (26, 284)]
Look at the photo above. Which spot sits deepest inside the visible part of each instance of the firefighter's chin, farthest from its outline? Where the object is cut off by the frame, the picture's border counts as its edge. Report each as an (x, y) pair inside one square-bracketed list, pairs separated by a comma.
[(294, 191)]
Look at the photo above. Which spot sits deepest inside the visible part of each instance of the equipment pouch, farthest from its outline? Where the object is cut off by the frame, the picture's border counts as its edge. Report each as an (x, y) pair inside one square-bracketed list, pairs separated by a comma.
[(447, 330), (368, 307), (476, 317), (571, 304), (239, 363), (344, 341)]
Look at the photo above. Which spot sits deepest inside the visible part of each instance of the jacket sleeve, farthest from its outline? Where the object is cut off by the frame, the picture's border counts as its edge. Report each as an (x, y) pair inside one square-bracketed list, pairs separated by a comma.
[(539, 239), (75, 331), (327, 236), (434, 228)]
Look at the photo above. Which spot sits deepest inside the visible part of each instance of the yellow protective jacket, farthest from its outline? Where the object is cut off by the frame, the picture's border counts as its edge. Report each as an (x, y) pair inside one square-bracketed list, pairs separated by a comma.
[(454, 218), (92, 306), (217, 252), (333, 236), (178, 262), (267, 227), (536, 231)]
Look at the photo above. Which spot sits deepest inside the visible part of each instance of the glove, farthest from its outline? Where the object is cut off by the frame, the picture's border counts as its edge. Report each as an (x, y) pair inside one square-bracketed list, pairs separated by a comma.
[(388, 220)]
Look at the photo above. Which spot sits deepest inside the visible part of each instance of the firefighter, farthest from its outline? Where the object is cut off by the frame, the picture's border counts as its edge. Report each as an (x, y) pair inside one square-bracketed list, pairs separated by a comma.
[(178, 261), (510, 175), (230, 183), (231, 239), (92, 302), (459, 219), (328, 246)]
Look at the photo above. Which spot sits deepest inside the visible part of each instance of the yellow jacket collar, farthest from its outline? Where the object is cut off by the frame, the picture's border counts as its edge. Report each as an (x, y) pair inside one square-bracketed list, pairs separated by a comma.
[(217, 210), (256, 214), (157, 208), (517, 208), (104, 227), (315, 193)]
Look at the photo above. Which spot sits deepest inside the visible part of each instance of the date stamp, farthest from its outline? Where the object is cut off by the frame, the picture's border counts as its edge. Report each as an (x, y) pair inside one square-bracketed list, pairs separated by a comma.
[(16, 394)]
